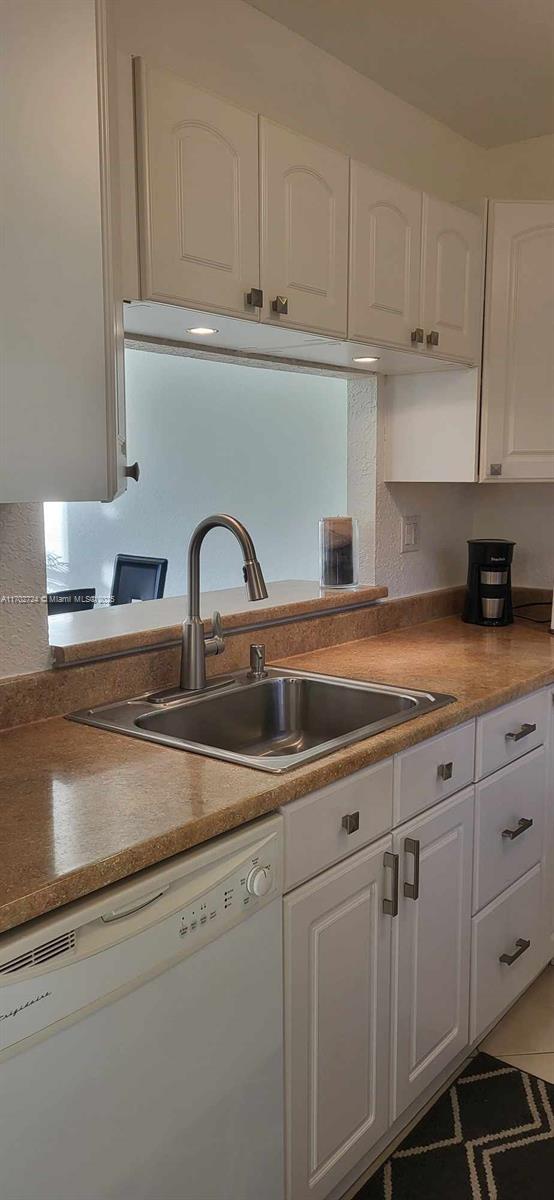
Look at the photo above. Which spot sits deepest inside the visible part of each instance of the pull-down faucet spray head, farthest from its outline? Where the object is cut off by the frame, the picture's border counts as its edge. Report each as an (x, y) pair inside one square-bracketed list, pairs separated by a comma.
[(254, 579)]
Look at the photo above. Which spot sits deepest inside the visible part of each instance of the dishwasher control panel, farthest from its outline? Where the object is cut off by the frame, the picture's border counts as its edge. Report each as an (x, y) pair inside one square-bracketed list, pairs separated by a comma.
[(100, 948), (225, 903)]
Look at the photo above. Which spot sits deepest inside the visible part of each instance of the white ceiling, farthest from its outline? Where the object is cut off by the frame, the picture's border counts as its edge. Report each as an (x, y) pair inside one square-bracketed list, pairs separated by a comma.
[(484, 67)]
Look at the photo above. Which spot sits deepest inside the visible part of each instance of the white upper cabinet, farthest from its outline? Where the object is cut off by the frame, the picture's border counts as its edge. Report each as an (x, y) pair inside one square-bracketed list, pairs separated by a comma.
[(62, 413), (198, 195), (452, 280), (518, 365), (385, 254), (238, 215), (304, 231), (415, 269)]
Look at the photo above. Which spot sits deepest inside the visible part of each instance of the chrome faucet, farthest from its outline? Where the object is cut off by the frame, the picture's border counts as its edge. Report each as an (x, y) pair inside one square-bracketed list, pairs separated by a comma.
[(196, 647)]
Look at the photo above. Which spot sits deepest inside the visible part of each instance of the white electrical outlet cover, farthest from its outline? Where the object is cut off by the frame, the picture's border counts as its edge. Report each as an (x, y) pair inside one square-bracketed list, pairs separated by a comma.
[(409, 534)]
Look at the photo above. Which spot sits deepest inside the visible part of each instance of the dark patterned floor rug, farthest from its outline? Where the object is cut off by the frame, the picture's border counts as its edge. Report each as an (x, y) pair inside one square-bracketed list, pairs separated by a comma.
[(489, 1137)]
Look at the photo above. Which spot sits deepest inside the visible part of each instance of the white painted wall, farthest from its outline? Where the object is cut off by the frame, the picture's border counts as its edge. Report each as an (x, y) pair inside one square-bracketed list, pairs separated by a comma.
[(524, 513), (520, 171), (267, 446), (23, 628)]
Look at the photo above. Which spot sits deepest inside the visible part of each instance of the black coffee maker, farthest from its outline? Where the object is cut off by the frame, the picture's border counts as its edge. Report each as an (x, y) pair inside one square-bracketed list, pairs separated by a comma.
[(488, 599)]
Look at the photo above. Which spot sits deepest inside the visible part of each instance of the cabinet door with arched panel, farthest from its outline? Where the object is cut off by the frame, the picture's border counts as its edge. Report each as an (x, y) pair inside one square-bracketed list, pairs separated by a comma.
[(452, 280), (304, 231), (517, 431), (385, 253), (198, 195)]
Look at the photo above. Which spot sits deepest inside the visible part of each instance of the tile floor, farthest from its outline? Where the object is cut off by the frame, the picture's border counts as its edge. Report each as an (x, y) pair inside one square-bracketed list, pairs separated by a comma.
[(525, 1036)]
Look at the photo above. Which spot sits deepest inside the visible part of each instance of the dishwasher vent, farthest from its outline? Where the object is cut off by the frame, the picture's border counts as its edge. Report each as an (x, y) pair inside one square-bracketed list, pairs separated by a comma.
[(41, 954)]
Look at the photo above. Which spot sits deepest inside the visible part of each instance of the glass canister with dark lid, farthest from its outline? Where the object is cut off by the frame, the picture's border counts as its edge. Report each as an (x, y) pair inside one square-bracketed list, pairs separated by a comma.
[(338, 552)]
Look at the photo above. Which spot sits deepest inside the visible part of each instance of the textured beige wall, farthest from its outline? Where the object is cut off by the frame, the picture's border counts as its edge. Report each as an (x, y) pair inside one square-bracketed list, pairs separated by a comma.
[(23, 625)]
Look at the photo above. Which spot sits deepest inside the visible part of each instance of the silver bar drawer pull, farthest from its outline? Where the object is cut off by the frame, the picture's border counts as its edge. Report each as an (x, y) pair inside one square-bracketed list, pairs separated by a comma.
[(411, 890), (524, 731), (127, 910), (351, 822), (523, 824), (522, 945), (444, 770), (390, 907)]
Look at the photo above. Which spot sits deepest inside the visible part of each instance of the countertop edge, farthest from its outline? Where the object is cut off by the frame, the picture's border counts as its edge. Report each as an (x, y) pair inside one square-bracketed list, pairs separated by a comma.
[(75, 885)]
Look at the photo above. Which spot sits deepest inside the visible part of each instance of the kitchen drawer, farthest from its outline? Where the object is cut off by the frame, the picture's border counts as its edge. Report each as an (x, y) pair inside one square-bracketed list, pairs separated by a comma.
[(508, 732), (504, 804), (433, 770), (516, 915), (316, 827)]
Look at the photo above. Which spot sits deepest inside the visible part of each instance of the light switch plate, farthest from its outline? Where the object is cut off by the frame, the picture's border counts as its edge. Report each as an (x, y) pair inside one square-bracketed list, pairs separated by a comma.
[(409, 534)]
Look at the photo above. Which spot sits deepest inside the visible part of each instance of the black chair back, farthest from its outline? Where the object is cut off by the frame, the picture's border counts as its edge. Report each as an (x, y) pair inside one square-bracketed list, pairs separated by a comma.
[(137, 578)]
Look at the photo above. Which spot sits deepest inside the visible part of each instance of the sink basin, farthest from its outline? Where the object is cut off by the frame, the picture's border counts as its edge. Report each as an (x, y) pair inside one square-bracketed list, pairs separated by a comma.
[(274, 724)]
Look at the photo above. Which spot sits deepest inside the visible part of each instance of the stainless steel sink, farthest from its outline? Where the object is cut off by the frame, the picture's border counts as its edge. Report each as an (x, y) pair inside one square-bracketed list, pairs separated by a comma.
[(273, 724)]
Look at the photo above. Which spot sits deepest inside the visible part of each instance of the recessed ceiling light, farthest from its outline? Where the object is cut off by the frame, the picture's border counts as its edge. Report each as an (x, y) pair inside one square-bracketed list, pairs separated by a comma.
[(365, 359), (202, 330)]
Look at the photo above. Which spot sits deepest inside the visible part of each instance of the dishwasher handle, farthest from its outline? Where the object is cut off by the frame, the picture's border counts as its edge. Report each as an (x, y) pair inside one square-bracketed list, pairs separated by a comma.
[(127, 910)]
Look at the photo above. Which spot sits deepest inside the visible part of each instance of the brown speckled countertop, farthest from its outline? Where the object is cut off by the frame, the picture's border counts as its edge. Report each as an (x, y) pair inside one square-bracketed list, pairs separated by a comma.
[(81, 808)]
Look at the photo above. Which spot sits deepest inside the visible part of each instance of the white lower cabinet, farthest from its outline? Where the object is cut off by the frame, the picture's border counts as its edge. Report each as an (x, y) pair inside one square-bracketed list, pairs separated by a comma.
[(509, 825), (510, 946), (337, 1006), (388, 977), (431, 946)]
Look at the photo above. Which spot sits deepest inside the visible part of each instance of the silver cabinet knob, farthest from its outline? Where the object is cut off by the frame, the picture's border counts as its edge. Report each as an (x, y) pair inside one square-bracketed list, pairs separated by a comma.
[(433, 338), (255, 298), (417, 336), (280, 305), (444, 770), (351, 822), (133, 472)]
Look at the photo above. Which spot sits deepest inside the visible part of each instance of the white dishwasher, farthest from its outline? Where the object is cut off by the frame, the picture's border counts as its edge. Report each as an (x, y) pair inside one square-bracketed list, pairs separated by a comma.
[(141, 1043)]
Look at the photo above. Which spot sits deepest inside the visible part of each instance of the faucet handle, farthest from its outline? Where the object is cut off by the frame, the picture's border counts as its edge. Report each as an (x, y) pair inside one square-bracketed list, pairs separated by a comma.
[(216, 643), (257, 661), (217, 625)]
